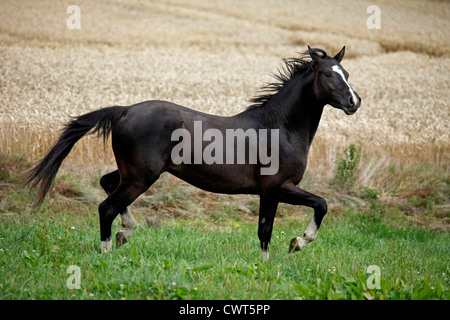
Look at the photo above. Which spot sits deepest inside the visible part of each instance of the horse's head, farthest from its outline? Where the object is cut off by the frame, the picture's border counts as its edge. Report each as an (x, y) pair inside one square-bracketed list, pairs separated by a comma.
[(331, 81)]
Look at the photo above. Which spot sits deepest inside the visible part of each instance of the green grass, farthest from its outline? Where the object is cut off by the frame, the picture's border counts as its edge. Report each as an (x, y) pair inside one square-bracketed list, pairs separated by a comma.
[(205, 246), (177, 261)]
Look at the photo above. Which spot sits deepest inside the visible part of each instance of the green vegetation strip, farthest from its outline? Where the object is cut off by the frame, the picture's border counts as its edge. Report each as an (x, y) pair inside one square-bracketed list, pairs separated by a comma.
[(177, 261)]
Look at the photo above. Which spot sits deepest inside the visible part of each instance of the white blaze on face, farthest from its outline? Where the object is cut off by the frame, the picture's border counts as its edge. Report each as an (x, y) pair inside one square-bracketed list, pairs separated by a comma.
[(339, 72)]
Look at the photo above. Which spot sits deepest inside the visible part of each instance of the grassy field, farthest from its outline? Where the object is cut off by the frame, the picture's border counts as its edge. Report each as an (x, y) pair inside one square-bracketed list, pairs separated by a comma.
[(391, 209), (192, 245), (188, 250), (178, 261)]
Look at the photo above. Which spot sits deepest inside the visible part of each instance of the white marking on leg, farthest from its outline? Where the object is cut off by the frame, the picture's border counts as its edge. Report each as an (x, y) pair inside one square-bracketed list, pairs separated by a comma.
[(339, 72), (309, 235), (265, 255), (106, 246), (128, 221), (311, 231), (128, 224)]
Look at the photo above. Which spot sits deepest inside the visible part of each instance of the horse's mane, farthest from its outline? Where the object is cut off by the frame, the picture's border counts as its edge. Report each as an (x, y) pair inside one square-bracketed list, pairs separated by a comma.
[(291, 67)]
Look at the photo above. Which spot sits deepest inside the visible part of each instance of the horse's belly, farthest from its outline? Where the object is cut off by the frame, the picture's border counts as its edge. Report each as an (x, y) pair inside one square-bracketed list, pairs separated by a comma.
[(223, 178)]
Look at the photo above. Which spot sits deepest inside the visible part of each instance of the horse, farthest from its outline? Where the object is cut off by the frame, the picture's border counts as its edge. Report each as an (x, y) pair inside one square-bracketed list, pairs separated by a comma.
[(146, 141)]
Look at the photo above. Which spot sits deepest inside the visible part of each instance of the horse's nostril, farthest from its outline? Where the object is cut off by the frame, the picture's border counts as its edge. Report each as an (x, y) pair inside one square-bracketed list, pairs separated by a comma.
[(351, 102)]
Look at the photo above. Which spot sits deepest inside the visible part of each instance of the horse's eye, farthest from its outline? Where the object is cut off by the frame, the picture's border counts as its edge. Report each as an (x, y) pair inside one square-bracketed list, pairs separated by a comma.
[(327, 74)]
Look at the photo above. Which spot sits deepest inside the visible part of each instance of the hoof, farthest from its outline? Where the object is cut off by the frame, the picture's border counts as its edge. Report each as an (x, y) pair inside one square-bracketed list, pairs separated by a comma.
[(295, 245), (120, 238)]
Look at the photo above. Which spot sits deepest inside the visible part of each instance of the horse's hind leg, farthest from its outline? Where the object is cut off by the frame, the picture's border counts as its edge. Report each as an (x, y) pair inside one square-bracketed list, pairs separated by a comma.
[(128, 224), (109, 183), (117, 202)]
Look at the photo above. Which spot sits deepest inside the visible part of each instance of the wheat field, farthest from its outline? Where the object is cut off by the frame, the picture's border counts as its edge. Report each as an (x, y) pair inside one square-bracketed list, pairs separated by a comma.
[(213, 56)]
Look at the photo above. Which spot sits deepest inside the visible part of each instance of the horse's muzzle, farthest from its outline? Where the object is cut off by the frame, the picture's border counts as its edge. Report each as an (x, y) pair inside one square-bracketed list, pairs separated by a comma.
[(354, 102)]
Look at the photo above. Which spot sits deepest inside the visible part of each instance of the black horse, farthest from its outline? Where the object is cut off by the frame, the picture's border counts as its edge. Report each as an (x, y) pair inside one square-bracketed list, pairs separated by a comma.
[(146, 143)]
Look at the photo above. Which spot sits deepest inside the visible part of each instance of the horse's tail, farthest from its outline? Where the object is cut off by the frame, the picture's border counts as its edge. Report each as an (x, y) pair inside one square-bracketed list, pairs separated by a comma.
[(102, 122)]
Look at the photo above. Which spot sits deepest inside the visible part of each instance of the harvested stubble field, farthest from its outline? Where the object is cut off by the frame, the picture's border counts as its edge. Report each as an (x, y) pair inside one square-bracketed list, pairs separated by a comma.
[(214, 56)]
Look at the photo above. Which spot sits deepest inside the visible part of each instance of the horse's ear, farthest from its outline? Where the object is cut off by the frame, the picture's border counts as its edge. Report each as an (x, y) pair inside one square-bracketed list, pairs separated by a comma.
[(313, 54), (340, 55)]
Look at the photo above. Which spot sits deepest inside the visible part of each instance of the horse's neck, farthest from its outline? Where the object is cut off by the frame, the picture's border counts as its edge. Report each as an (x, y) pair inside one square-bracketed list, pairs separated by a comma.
[(297, 109)]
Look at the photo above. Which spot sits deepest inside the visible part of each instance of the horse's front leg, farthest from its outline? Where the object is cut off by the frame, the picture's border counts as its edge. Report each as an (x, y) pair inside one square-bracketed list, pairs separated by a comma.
[(290, 194), (267, 209)]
